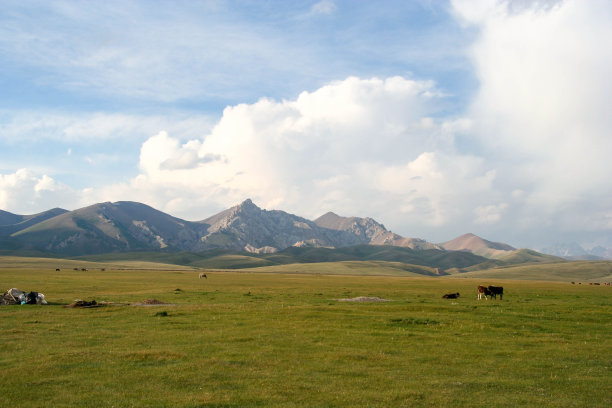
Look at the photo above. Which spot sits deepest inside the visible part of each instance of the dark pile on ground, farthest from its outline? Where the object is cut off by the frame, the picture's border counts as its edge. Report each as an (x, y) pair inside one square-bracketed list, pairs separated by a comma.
[(84, 303)]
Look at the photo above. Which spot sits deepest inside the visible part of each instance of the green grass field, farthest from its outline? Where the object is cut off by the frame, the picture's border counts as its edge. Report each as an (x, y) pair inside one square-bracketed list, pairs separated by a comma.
[(282, 339)]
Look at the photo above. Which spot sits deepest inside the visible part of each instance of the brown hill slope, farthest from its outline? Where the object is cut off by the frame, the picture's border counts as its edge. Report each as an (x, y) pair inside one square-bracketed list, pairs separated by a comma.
[(479, 246)]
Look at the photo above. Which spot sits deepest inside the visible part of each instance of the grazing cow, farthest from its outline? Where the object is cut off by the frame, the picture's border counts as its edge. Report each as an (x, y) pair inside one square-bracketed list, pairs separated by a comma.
[(203, 275), (496, 290), (451, 296), (573, 283), (483, 291), (57, 269)]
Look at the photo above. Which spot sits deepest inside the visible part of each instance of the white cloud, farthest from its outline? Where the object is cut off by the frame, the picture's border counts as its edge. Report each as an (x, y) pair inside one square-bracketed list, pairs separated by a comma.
[(24, 192), (542, 109), (366, 147), (489, 214)]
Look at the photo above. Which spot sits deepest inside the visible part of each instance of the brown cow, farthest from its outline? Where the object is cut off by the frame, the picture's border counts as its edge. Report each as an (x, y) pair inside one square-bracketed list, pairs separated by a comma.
[(483, 291), (203, 275), (451, 296)]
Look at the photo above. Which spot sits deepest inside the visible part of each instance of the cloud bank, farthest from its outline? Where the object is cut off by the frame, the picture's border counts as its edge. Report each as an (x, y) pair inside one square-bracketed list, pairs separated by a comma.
[(357, 146)]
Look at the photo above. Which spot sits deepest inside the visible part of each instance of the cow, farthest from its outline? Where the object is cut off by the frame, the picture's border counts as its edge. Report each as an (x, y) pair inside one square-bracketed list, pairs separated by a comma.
[(483, 291), (203, 275), (496, 290), (451, 296), (57, 269)]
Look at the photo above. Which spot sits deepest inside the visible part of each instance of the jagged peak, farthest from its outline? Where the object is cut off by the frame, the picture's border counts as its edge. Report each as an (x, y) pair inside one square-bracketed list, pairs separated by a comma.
[(246, 206)]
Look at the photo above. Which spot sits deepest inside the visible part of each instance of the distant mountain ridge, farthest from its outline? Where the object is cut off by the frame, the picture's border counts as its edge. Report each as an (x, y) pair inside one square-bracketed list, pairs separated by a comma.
[(11, 223), (109, 227), (573, 250), (128, 227)]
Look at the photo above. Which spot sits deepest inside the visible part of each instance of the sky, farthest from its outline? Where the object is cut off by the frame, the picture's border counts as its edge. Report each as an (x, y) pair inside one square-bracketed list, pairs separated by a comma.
[(435, 118)]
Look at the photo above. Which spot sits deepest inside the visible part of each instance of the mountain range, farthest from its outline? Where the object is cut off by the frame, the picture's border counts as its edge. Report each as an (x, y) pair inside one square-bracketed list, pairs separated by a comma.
[(126, 226), (574, 251)]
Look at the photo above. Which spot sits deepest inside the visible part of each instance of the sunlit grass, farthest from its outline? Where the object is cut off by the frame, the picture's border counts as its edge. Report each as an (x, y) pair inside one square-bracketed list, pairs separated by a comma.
[(242, 339)]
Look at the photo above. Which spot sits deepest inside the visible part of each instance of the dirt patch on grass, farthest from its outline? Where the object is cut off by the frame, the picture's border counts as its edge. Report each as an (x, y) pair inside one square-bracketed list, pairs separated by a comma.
[(152, 302), (84, 303), (363, 299)]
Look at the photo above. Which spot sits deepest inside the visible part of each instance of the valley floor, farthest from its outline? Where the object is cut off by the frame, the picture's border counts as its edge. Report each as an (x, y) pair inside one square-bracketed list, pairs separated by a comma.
[(239, 339)]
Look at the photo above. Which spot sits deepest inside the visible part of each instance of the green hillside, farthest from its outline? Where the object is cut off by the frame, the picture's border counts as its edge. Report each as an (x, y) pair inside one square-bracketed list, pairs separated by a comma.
[(521, 256), (362, 268), (577, 271), (51, 264)]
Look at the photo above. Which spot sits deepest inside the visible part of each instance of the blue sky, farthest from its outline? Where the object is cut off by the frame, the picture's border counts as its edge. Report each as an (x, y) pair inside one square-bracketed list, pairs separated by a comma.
[(435, 118)]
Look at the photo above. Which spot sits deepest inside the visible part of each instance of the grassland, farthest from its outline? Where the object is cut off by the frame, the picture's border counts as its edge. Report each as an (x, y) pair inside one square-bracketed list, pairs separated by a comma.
[(283, 339)]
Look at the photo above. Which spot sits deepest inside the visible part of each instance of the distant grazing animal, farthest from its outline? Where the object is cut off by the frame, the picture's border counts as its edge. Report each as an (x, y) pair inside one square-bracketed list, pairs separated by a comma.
[(57, 269), (496, 290), (573, 283), (451, 296), (84, 269), (203, 275), (483, 291)]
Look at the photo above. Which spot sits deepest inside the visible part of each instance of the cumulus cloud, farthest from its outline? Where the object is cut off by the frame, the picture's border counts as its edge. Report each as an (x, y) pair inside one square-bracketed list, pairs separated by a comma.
[(24, 191), (489, 214), (368, 147), (541, 111)]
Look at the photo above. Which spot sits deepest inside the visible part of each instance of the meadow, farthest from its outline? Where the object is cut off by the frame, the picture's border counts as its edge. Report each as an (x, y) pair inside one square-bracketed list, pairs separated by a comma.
[(283, 339)]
